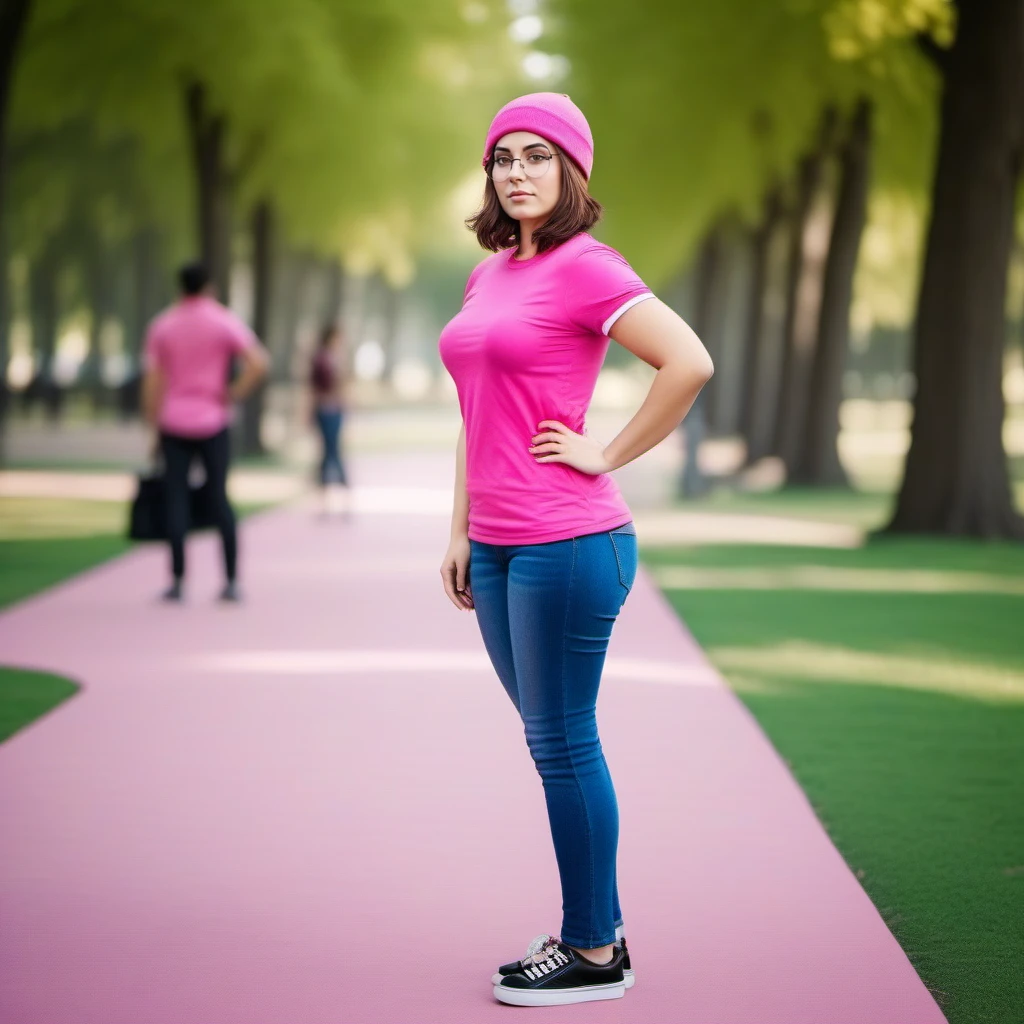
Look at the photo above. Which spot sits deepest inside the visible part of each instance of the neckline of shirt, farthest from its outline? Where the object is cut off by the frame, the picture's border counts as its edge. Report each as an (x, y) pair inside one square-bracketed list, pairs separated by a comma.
[(536, 257), (539, 257)]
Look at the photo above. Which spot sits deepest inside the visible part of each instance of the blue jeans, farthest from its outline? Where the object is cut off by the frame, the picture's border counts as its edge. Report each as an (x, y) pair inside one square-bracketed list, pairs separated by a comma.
[(332, 469), (546, 613)]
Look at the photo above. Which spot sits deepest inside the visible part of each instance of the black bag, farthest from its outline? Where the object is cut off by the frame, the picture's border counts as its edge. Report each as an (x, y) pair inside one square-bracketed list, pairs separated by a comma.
[(148, 518)]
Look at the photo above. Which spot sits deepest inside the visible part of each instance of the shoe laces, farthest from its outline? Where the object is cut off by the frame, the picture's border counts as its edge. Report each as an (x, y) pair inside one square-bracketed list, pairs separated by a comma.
[(543, 949), (536, 948)]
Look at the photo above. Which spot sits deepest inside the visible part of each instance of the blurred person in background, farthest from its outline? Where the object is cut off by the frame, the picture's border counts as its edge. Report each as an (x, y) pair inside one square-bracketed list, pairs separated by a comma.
[(543, 546), (329, 386), (187, 397)]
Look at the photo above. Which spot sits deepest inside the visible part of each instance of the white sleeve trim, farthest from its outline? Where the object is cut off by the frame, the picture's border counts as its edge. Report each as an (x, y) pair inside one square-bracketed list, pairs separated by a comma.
[(628, 304)]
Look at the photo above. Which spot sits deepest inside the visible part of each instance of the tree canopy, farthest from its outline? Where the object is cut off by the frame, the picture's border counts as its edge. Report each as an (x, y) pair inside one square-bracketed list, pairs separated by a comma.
[(698, 109), (352, 119)]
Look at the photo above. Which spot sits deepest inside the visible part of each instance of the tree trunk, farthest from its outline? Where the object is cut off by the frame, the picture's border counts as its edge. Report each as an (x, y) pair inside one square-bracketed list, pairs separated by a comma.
[(250, 440), (207, 133), (709, 300), (730, 316), (13, 17), (146, 291), (100, 276), (353, 316), (808, 246), (291, 278), (390, 311), (331, 310), (767, 376), (707, 291), (139, 297), (753, 350), (956, 479), (6, 320), (45, 319), (1018, 334), (817, 459)]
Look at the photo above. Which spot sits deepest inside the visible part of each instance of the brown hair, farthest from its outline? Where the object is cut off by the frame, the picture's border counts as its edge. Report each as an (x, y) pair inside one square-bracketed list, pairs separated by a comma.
[(576, 210), (328, 332)]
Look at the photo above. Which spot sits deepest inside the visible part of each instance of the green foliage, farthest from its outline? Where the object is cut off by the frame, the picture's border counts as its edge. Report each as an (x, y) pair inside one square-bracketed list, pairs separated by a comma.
[(343, 114), (698, 109)]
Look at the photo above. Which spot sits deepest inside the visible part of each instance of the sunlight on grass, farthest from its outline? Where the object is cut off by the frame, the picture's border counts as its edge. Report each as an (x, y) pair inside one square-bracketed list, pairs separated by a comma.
[(868, 504), (823, 577), (32, 518), (866, 509), (759, 667)]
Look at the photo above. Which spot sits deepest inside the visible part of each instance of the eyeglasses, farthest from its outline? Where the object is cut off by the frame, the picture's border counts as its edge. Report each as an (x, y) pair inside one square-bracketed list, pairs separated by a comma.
[(535, 164)]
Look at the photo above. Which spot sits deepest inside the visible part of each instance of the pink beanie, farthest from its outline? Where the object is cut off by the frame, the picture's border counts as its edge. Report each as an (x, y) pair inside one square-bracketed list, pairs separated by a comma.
[(552, 115)]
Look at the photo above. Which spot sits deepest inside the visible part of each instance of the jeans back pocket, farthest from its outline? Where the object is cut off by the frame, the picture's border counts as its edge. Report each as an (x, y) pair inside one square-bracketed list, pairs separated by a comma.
[(624, 544)]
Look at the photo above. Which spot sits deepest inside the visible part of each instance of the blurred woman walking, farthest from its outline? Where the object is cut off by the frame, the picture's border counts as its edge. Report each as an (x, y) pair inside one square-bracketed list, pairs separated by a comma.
[(329, 385)]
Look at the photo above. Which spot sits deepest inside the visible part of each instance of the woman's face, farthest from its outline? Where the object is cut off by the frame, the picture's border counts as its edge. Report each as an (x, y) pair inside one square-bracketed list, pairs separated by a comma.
[(522, 197)]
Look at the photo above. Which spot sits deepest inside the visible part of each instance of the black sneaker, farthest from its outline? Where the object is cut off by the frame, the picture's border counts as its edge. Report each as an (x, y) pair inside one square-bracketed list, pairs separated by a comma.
[(556, 975), (517, 965), (173, 592), (230, 594)]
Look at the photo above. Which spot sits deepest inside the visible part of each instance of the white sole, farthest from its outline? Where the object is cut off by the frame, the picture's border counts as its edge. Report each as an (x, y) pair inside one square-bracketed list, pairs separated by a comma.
[(629, 979), (558, 997)]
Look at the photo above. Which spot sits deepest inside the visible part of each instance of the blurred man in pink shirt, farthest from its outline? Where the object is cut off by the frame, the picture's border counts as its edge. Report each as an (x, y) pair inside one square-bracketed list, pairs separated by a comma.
[(187, 397)]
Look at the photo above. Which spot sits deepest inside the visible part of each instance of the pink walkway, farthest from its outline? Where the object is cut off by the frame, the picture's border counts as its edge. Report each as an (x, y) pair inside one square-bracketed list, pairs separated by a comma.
[(318, 809)]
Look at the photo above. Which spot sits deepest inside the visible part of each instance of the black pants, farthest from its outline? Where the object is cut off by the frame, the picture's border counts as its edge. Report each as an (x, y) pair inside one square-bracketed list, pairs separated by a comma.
[(215, 454)]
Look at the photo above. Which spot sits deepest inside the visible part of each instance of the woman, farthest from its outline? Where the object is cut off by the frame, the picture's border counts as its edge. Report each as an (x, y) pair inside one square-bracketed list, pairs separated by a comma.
[(327, 383), (542, 544)]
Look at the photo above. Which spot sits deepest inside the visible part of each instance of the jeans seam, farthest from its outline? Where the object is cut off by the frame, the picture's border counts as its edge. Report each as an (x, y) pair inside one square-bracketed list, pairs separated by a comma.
[(618, 561), (565, 730)]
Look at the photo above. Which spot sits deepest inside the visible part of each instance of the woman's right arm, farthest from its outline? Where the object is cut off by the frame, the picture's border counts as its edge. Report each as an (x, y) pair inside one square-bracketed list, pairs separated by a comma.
[(455, 568)]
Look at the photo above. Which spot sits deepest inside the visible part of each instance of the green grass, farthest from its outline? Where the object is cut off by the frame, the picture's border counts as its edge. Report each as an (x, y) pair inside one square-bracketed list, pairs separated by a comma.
[(26, 696), (34, 564), (44, 541), (868, 509), (900, 711)]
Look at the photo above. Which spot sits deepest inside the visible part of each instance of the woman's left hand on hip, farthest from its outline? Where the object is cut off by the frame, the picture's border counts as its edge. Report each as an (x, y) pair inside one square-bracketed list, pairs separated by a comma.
[(555, 442)]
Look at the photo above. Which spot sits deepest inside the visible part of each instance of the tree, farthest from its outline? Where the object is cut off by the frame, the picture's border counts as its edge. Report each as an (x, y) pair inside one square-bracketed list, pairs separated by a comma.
[(13, 15), (351, 121), (45, 314), (956, 479), (753, 364), (250, 441), (207, 131), (764, 371), (809, 238), (816, 459)]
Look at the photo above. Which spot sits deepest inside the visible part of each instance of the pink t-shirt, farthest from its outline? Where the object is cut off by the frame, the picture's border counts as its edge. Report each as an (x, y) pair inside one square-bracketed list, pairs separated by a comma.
[(192, 344), (527, 346)]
